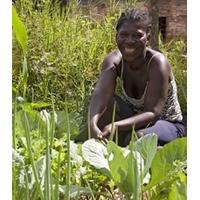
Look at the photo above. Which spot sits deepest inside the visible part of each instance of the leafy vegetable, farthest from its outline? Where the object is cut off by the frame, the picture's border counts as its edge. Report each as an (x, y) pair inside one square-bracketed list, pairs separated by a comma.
[(163, 163), (95, 153)]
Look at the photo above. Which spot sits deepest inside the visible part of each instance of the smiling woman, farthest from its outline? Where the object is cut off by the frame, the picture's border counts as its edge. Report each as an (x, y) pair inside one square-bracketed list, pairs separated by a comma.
[(148, 100)]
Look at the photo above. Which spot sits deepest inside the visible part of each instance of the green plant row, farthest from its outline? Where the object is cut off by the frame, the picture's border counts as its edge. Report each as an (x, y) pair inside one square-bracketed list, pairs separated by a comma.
[(48, 165)]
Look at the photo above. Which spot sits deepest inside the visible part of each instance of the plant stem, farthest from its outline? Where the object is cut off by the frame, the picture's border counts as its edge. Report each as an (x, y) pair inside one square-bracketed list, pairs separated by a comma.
[(113, 120), (48, 162), (68, 156), (13, 124), (58, 176)]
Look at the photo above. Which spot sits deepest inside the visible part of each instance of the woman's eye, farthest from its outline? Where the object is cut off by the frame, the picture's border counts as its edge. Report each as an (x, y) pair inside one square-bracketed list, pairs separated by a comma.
[(123, 34), (137, 36)]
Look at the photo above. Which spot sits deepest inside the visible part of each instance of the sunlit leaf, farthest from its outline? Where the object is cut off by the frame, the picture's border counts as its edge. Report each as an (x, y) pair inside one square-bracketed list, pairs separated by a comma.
[(162, 164), (75, 190), (117, 162), (95, 153), (147, 146), (20, 30), (178, 190)]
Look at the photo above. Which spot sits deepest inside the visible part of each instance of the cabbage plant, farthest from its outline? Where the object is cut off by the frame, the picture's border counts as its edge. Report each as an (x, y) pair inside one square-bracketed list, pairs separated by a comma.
[(127, 167), (140, 167)]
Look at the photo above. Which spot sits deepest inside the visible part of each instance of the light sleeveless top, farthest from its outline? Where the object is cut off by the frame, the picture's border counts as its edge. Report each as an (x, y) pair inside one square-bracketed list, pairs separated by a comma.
[(171, 111)]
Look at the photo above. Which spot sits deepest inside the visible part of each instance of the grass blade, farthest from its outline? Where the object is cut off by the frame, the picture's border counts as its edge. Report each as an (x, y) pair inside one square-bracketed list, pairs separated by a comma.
[(113, 120), (48, 162), (68, 156), (28, 140), (27, 187), (58, 176), (91, 192), (89, 129), (13, 124)]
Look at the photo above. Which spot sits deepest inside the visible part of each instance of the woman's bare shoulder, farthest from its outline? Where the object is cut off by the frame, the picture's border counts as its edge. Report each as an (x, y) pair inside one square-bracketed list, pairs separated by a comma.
[(158, 64), (113, 59), (156, 55)]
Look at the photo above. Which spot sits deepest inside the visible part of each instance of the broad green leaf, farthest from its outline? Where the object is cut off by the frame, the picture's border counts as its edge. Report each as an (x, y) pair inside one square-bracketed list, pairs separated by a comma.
[(39, 105), (95, 153), (23, 141), (34, 120), (16, 157), (147, 147), (20, 30), (41, 167), (162, 164), (75, 190), (117, 162), (61, 125), (132, 183), (39, 170), (126, 169), (74, 153)]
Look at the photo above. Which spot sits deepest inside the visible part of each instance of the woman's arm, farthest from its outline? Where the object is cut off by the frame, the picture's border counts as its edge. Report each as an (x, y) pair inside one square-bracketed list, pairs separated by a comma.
[(104, 91)]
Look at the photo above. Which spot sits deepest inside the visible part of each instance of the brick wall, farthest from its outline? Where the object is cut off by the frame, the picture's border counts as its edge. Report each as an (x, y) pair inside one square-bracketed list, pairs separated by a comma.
[(175, 12)]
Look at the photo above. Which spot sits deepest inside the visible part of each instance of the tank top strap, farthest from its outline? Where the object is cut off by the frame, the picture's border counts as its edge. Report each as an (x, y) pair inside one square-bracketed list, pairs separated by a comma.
[(122, 70), (122, 67), (152, 59)]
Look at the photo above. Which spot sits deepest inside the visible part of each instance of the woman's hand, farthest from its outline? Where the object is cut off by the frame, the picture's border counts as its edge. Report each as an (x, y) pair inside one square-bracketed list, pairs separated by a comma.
[(97, 133), (108, 129)]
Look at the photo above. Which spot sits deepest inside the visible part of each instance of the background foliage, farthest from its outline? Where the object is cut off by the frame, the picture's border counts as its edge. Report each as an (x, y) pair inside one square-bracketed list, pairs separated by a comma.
[(65, 51)]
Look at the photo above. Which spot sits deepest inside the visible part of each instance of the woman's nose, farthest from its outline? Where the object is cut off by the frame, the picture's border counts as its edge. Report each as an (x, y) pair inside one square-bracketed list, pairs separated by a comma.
[(130, 39)]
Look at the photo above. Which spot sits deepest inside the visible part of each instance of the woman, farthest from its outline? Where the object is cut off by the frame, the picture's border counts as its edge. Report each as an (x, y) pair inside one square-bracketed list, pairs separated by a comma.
[(149, 100)]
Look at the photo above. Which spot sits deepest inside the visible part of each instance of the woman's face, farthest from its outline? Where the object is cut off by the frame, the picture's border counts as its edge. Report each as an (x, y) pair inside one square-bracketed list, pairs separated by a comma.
[(131, 41)]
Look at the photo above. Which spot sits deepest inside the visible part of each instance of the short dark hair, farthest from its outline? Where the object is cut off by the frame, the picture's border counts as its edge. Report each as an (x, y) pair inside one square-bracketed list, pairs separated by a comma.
[(137, 16)]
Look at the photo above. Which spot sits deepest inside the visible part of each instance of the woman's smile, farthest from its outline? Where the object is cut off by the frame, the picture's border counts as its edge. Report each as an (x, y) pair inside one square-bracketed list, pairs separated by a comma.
[(129, 50)]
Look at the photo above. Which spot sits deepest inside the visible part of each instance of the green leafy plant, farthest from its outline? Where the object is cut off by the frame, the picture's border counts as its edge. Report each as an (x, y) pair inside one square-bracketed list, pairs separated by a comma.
[(43, 159), (126, 167), (130, 171)]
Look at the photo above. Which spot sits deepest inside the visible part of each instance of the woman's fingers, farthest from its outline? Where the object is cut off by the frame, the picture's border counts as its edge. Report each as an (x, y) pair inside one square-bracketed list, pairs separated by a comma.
[(102, 138), (101, 135)]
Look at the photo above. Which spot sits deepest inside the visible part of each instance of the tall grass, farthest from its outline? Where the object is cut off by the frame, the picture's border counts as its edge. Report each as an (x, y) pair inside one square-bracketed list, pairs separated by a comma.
[(175, 51), (65, 52)]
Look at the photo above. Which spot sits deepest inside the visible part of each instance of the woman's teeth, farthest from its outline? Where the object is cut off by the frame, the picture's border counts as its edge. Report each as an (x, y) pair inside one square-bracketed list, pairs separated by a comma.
[(129, 50)]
